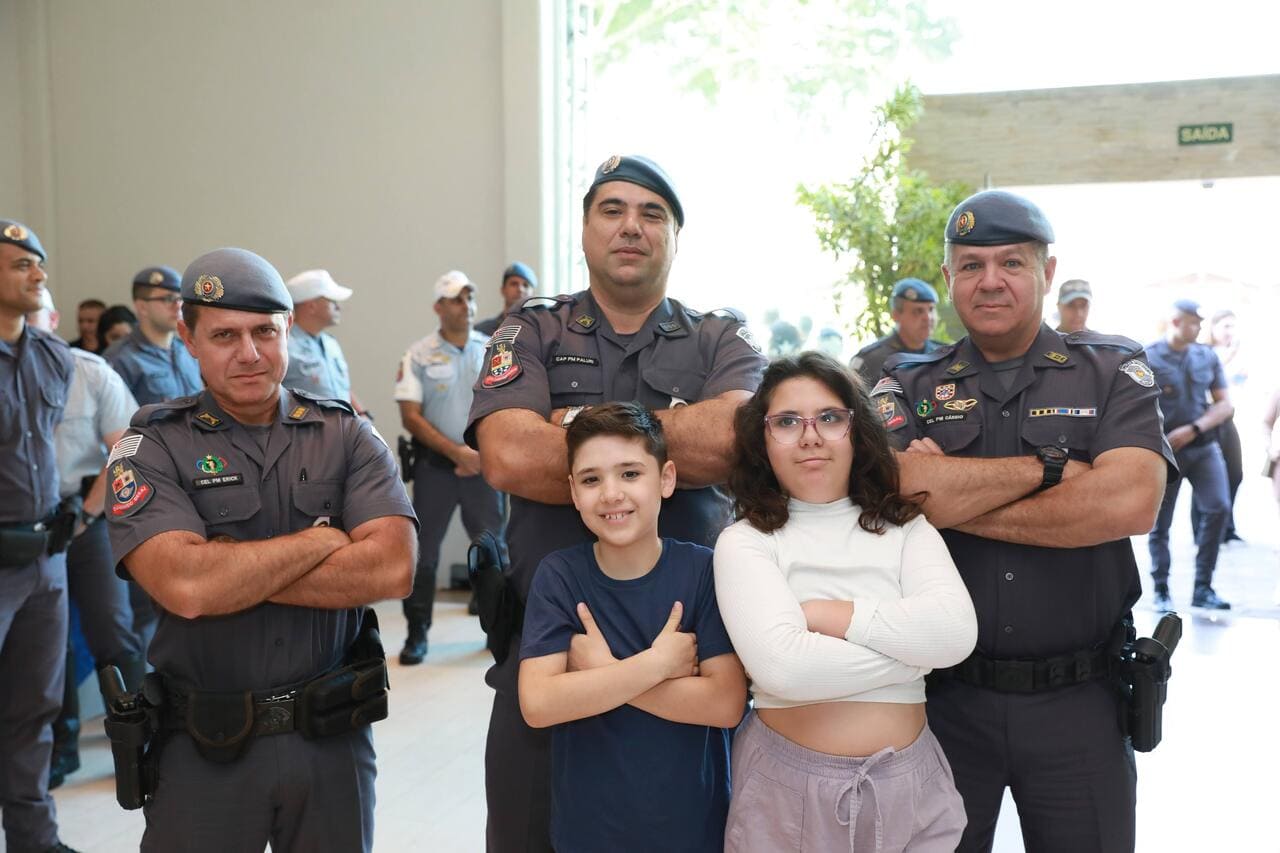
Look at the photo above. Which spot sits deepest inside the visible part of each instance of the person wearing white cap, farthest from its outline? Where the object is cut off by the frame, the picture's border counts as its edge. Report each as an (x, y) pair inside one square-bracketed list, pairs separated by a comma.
[(434, 390), (316, 363)]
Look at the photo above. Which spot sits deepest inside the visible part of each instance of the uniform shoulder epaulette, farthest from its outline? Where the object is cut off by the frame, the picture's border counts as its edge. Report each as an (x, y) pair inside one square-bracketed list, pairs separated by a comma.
[(732, 314), (913, 359), (870, 348), (161, 411), (324, 402), (1097, 339), (546, 301)]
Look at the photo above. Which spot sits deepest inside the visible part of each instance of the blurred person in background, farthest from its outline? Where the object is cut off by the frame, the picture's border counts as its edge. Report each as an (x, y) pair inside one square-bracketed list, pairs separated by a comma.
[(1074, 299), (114, 324), (87, 314)]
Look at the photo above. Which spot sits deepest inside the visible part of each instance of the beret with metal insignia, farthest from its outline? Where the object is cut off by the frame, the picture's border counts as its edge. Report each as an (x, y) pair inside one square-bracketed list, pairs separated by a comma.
[(997, 218), (235, 278), (166, 277), (914, 290), (21, 236), (640, 171)]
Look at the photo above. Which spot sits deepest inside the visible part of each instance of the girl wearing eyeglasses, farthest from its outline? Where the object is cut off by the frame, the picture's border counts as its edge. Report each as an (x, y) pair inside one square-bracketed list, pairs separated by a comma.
[(839, 597)]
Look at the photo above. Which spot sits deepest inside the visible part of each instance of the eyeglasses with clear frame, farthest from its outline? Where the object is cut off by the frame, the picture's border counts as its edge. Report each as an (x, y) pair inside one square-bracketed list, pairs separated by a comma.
[(829, 425), (171, 299)]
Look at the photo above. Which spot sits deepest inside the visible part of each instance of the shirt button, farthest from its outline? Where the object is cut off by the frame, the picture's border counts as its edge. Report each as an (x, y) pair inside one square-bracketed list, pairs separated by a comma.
[(675, 389), (1008, 576), (1008, 629), (573, 384), (279, 641), (222, 511), (1062, 439), (1005, 413)]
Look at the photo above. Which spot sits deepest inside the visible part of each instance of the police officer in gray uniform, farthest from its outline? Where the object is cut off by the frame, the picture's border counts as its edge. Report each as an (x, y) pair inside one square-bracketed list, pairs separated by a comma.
[(316, 363), (1041, 454), (622, 339), (152, 360), (433, 391), (1193, 396), (518, 284), (913, 306), (35, 376), (261, 520)]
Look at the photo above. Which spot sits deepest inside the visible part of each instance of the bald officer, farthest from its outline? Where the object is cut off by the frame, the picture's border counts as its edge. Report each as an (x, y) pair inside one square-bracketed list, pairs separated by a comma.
[(518, 284), (152, 360), (35, 378), (262, 521), (913, 306), (316, 363), (622, 339), (1041, 454)]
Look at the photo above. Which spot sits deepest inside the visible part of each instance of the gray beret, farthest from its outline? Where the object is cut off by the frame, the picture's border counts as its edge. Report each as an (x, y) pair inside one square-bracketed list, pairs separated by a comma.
[(640, 171), (235, 278), (166, 277), (21, 236), (997, 218), (914, 290)]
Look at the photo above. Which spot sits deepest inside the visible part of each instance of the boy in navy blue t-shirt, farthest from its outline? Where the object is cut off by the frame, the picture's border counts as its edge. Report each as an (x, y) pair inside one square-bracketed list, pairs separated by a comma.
[(624, 653)]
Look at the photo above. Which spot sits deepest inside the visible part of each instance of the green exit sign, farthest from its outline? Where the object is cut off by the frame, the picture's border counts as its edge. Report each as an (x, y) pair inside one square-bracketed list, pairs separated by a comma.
[(1205, 134)]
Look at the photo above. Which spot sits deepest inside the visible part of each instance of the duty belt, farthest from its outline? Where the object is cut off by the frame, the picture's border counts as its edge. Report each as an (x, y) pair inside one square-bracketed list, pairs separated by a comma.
[(275, 713), (1029, 676)]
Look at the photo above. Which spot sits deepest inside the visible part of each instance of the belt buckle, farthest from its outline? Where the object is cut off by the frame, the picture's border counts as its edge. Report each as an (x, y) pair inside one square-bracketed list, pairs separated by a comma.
[(275, 714), (1014, 676)]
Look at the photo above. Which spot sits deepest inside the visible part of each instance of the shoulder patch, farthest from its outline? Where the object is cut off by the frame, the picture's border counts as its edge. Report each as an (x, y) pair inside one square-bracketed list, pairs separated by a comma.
[(130, 490), (1097, 339), (507, 334), (160, 411), (1139, 372), (503, 366), (124, 448), (745, 333), (887, 385)]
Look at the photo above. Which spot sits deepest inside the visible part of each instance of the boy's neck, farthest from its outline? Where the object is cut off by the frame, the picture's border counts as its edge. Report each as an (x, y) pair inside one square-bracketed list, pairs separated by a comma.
[(630, 562)]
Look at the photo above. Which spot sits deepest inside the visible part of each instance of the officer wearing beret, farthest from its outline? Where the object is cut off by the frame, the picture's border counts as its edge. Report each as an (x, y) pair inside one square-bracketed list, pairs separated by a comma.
[(433, 391), (518, 284), (35, 377), (261, 520), (152, 361), (622, 339), (1193, 396), (1040, 453), (913, 306), (1074, 299), (316, 363)]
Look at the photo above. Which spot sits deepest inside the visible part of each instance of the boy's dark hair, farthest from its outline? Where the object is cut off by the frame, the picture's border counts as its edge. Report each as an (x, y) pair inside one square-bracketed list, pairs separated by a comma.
[(625, 420), (873, 479)]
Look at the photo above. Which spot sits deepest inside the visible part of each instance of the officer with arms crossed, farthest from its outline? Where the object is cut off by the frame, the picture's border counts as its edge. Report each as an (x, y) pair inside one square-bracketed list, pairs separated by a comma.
[(433, 390), (913, 306), (518, 284), (1040, 453), (622, 339), (35, 377), (261, 520), (316, 363)]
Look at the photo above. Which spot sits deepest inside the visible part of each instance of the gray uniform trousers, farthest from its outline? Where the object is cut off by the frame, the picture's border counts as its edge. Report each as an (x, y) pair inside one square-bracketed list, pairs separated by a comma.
[(33, 644), (1204, 467), (437, 491), (106, 619)]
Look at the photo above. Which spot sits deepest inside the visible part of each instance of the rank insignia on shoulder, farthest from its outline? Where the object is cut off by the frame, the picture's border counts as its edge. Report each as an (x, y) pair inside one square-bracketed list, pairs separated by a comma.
[(957, 367), (128, 488), (1138, 372), (887, 385), (1056, 357), (944, 392), (745, 333), (926, 407), (960, 405), (669, 326), (503, 366), (210, 419), (586, 321), (298, 413)]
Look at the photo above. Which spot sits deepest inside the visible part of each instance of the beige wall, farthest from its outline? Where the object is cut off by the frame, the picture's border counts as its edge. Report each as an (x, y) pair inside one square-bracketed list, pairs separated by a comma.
[(1098, 134)]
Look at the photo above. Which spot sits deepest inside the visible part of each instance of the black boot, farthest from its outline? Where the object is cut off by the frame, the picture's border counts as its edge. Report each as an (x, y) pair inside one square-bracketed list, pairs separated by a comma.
[(65, 759), (415, 645), (1163, 603), (1205, 597)]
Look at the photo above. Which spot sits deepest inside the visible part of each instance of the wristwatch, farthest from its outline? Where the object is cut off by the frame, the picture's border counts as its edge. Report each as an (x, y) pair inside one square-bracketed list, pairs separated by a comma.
[(569, 414), (1054, 459)]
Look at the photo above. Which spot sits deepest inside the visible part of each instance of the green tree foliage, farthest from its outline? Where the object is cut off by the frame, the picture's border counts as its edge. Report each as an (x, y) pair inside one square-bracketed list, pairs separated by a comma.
[(889, 219)]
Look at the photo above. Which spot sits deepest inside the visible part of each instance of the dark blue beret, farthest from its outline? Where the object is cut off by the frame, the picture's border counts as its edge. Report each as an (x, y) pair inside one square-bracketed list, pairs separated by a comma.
[(523, 271), (21, 236), (643, 172), (914, 290), (1189, 306), (166, 277), (997, 218), (235, 278)]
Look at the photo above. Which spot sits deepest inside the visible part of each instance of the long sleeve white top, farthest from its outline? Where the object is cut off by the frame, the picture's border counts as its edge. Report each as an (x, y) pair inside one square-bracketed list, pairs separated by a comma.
[(911, 611)]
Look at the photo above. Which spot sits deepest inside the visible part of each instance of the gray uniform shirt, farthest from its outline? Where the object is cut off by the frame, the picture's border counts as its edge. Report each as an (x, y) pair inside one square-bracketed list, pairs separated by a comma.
[(317, 366), (98, 404), (154, 374), (35, 376), (869, 362), (439, 376), (186, 465)]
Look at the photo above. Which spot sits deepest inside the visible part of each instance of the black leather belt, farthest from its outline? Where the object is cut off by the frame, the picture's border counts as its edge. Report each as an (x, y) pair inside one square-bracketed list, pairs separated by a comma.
[(1029, 676)]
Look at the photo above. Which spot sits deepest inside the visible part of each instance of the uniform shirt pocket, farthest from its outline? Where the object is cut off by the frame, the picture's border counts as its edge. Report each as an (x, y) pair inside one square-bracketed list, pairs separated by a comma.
[(317, 500), (955, 437), (54, 396), (675, 385), (226, 504), (575, 384), (1074, 434)]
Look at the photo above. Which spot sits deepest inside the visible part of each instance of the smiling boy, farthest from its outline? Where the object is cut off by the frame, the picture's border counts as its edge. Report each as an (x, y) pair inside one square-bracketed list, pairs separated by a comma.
[(625, 654)]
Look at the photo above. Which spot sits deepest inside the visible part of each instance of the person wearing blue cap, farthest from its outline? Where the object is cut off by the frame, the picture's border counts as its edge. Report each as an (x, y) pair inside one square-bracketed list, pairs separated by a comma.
[(622, 339), (913, 307), (518, 283), (36, 370), (152, 360), (1038, 454), (1190, 376), (263, 521)]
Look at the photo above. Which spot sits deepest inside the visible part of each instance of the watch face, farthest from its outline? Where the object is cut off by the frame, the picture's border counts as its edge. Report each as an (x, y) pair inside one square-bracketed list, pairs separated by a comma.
[(1053, 454)]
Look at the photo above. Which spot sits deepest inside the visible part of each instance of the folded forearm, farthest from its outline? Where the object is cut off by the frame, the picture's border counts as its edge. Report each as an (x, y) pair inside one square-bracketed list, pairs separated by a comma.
[(700, 440), (354, 575), (555, 699), (816, 668), (961, 489), (695, 699)]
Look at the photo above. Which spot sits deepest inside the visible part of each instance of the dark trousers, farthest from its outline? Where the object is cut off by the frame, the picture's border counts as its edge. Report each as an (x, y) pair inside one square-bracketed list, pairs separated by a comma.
[(297, 794), (437, 491), (1061, 752), (517, 770), (1204, 467), (106, 618), (1233, 456), (33, 646)]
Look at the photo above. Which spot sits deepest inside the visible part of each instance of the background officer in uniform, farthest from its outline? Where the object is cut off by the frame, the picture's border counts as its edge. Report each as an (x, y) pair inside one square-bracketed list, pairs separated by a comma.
[(35, 376), (1041, 454), (261, 520), (316, 363), (1193, 397), (96, 415), (152, 360), (433, 390), (914, 309), (1074, 299), (622, 339), (518, 284)]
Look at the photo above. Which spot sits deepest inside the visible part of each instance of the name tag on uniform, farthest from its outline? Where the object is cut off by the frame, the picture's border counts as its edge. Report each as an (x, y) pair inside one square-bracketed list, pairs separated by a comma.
[(219, 480), (576, 359)]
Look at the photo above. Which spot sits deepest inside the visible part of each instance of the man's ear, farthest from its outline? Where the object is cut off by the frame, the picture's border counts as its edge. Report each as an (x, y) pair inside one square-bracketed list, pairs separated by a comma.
[(187, 336)]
